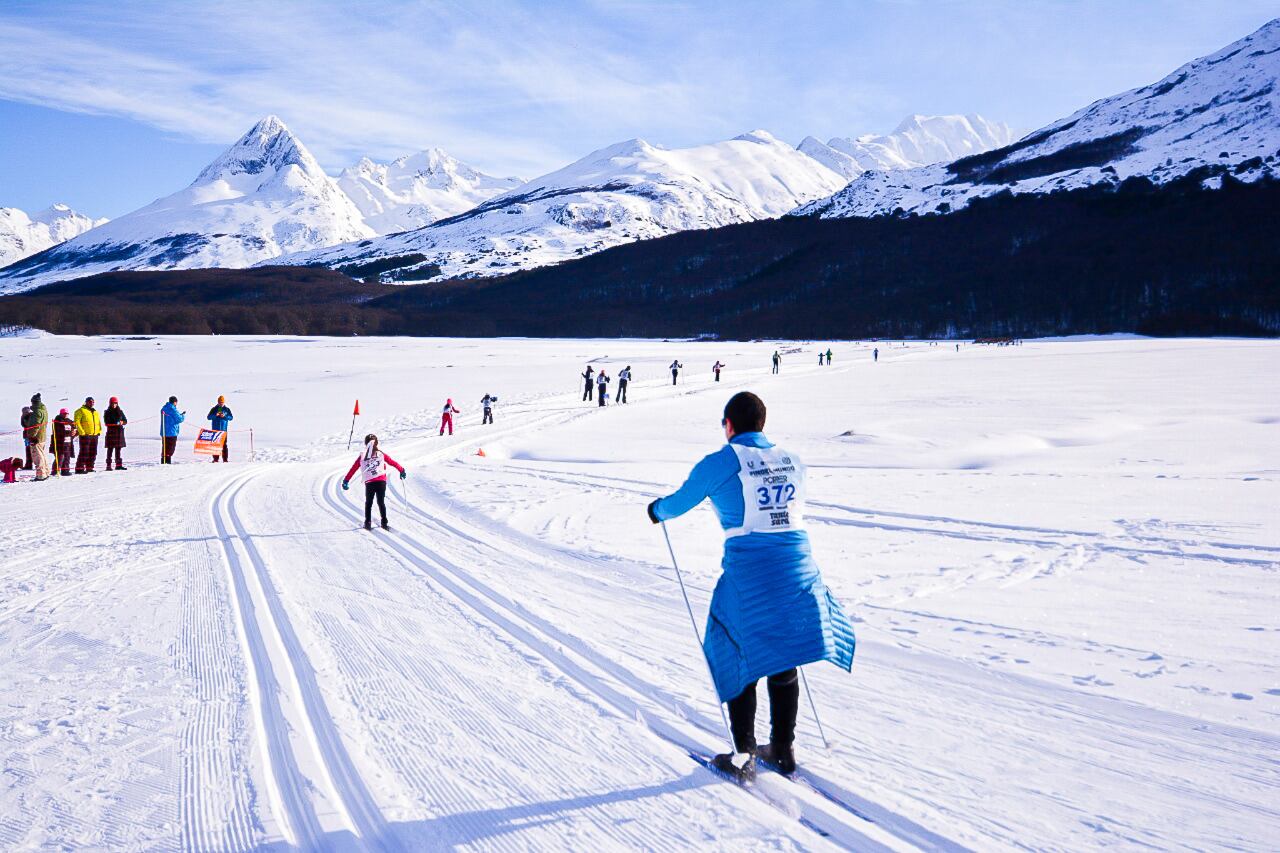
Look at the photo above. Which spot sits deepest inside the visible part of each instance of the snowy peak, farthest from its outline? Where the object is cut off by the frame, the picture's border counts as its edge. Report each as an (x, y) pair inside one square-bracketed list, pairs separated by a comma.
[(417, 189), (1213, 117), (630, 190), (23, 234), (261, 154), (918, 140)]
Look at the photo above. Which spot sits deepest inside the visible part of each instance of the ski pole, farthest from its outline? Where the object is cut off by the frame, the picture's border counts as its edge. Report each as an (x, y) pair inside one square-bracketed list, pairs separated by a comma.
[(404, 492), (813, 706), (697, 636)]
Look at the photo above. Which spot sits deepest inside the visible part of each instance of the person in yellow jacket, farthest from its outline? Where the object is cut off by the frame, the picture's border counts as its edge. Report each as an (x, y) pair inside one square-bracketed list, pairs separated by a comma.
[(89, 428)]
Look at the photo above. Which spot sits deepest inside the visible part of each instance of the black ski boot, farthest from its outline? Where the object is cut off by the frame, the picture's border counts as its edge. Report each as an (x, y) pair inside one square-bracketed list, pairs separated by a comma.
[(739, 766), (368, 525), (385, 525), (779, 756)]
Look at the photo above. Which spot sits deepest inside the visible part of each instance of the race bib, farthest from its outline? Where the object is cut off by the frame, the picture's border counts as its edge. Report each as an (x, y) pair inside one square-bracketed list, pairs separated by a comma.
[(772, 491), (374, 467)]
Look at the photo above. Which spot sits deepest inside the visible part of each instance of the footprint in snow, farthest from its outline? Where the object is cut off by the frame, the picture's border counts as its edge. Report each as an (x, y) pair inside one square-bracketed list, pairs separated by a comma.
[(1244, 696)]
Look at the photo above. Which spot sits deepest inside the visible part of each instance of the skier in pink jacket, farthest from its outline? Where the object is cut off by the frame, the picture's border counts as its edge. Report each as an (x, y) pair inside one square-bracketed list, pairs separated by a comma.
[(373, 463), (446, 416)]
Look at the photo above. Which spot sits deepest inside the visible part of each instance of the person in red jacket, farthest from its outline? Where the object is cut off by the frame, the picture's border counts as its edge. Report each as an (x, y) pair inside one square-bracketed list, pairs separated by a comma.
[(446, 416), (10, 468), (373, 464)]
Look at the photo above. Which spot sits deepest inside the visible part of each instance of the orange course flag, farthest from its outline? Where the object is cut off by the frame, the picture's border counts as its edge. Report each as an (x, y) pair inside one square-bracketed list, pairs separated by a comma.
[(357, 411)]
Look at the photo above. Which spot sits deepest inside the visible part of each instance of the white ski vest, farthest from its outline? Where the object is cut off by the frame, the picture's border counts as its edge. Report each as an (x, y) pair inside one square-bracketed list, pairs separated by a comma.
[(373, 467), (772, 491)]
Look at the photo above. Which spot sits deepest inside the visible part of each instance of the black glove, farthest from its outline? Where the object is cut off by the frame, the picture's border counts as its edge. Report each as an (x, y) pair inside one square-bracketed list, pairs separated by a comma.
[(653, 516), (403, 474), (345, 486)]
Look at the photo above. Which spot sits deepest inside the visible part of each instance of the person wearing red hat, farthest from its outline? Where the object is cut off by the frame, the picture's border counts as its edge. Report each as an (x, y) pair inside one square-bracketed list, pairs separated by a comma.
[(115, 420), (62, 434), (446, 416)]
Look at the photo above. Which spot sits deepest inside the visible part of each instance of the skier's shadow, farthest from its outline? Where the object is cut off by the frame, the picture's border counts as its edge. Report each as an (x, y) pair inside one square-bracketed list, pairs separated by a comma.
[(465, 828)]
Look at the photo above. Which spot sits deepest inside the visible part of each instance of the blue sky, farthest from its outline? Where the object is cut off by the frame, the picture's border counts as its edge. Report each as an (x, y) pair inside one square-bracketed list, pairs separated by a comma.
[(108, 105)]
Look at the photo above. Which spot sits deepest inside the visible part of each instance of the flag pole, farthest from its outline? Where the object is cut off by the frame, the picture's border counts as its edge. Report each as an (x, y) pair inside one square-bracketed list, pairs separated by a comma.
[(351, 434)]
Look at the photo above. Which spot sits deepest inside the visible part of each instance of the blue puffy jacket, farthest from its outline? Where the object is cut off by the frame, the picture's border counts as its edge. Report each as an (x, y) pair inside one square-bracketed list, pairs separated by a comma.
[(770, 610), (220, 417), (170, 420)]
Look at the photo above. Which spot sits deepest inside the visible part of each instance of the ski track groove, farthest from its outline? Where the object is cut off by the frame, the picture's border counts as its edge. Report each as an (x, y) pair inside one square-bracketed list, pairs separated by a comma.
[(550, 644)]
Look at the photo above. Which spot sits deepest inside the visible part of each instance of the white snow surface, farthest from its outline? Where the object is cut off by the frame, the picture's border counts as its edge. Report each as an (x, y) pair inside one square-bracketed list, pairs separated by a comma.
[(1220, 112), (632, 190), (917, 141), (23, 234), (1062, 559), (417, 189), (265, 195)]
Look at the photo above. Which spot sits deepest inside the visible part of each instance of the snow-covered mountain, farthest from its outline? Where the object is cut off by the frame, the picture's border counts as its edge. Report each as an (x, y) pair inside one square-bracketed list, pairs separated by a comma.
[(23, 234), (917, 141), (264, 196), (417, 189), (1215, 116), (629, 191)]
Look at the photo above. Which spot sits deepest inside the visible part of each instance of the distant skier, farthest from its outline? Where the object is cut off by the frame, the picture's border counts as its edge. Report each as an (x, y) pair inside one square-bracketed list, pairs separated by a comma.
[(602, 380), (777, 361), (716, 368), (487, 402), (957, 348), (624, 378), (675, 371), (446, 416), (821, 356), (828, 356), (875, 354), (373, 465), (590, 386), (770, 611)]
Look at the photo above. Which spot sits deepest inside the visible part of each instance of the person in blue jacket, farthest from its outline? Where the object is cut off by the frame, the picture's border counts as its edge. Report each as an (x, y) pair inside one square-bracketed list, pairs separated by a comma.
[(770, 612), (170, 424), (220, 418)]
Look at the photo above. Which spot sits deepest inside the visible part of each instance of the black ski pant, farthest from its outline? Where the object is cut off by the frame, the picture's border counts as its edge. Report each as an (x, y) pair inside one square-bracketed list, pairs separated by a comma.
[(622, 391), (586, 392), (488, 417), (166, 453), (674, 374), (376, 489), (717, 376), (601, 395), (784, 705)]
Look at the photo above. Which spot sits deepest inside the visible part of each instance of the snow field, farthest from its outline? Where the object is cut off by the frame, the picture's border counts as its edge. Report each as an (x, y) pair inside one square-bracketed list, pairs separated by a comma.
[(1062, 557)]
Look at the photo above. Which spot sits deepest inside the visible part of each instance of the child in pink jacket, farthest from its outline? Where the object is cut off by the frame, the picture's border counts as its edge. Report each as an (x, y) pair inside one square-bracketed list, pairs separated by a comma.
[(373, 463)]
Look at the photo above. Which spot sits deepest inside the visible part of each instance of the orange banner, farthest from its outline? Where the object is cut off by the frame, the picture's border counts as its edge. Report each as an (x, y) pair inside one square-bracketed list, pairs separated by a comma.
[(210, 442)]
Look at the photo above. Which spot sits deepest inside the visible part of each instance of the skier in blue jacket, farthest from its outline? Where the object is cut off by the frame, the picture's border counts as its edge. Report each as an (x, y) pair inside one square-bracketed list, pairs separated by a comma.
[(170, 425), (770, 611)]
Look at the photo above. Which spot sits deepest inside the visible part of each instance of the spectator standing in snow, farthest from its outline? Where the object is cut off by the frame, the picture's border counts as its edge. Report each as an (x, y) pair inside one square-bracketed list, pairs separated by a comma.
[(487, 402), (602, 380), (446, 416), (875, 354), (770, 612), (89, 428), (62, 436), (777, 361), (624, 378), (220, 418), (373, 465), (716, 368), (170, 425), (115, 421), (27, 421), (589, 388), (828, 356), (675, 371), (36, 435)]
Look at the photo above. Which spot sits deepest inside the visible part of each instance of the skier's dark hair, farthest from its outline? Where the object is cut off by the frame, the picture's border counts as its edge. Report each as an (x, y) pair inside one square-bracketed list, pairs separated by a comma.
[(746, 412), (173, 399)]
